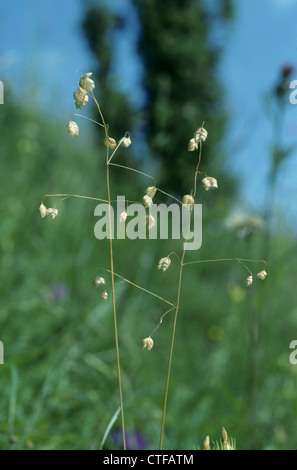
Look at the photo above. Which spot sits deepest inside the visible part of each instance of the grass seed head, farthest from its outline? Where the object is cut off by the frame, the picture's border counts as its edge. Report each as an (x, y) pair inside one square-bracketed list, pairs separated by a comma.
[(164, 263), (249, 281), (110, 142), (73, 128), (192, 145), (126, 141), (209, 183), (42, 210), (104, 295), (188, 201), (98, 281), (200, 135), (147, 343), (52, 212), (151, 191), (262, 275), (123, 216), (79, 94), (86, 83), (206, 443), (150, 221)]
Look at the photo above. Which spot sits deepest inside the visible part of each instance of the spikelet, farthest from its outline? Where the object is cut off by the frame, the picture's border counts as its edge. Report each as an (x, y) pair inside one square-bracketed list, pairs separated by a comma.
[(147, 343), (73, 128), (249, 281), (98, 281), (42, 210), (164, 263), (86, 83), (262, 275), (209, 183), (110, 142), (200, 135)]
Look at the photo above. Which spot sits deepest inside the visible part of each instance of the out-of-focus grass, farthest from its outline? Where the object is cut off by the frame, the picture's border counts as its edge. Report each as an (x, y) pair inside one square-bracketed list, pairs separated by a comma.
[(59, 384)]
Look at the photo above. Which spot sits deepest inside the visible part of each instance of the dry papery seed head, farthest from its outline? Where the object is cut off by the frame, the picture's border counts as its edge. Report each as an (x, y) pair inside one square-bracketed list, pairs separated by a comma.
[(123, 216), (53, 212), (42, 210), (86, 83), (147, 343), (249, 281), (98, 281), (224, 436), (206, 443), (200, 135), (73, 128), (225, 443), (82, 104), (110, 142), (104, 295), (151, 191), (188, 200), (164, 263), (147, 200), (262, 275), (150, 221), (192, 145), (209, 183), (126, 141), (79, 94)]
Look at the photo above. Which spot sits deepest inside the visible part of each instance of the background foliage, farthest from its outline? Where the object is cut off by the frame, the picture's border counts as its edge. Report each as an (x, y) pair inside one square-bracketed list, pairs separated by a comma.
[(231, 360)]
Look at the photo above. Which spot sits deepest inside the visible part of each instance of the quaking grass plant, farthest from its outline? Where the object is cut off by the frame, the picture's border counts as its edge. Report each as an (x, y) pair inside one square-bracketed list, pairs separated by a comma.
[(81, 97)]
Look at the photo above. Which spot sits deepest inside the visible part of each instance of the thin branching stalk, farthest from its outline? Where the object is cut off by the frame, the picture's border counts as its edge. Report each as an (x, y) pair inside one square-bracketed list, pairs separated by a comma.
[(114, 303), (177, 307), (172, 340)]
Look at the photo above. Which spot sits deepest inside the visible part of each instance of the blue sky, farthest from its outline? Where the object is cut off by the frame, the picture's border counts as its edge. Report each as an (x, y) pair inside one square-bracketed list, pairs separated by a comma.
[(41, 44)]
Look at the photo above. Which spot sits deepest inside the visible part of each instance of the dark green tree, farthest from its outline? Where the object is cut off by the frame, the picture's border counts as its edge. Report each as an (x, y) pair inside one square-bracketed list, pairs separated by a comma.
[(180, 57)]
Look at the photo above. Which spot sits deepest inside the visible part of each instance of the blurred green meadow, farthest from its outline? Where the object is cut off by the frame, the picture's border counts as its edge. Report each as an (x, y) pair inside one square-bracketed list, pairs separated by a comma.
[(58, 382)]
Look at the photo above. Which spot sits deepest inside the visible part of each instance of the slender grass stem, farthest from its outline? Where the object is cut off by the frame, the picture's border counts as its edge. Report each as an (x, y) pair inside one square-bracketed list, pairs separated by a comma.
[(114, 304), (173, 336)]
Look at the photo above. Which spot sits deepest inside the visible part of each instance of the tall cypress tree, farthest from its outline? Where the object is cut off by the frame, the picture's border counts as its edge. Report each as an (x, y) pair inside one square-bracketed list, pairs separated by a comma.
[(179, 80)]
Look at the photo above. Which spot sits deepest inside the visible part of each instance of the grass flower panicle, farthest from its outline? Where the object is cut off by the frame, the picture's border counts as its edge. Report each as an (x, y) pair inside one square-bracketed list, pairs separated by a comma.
[(86, 84)]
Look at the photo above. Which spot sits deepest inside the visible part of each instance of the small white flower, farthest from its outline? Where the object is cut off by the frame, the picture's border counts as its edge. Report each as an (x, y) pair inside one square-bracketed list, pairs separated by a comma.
[(42, 210), (147, 343), (86, 83), (147, 200), (73, 128), (262, 275), (123, 216), (200, 135), (164, 263), (209, 183)]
